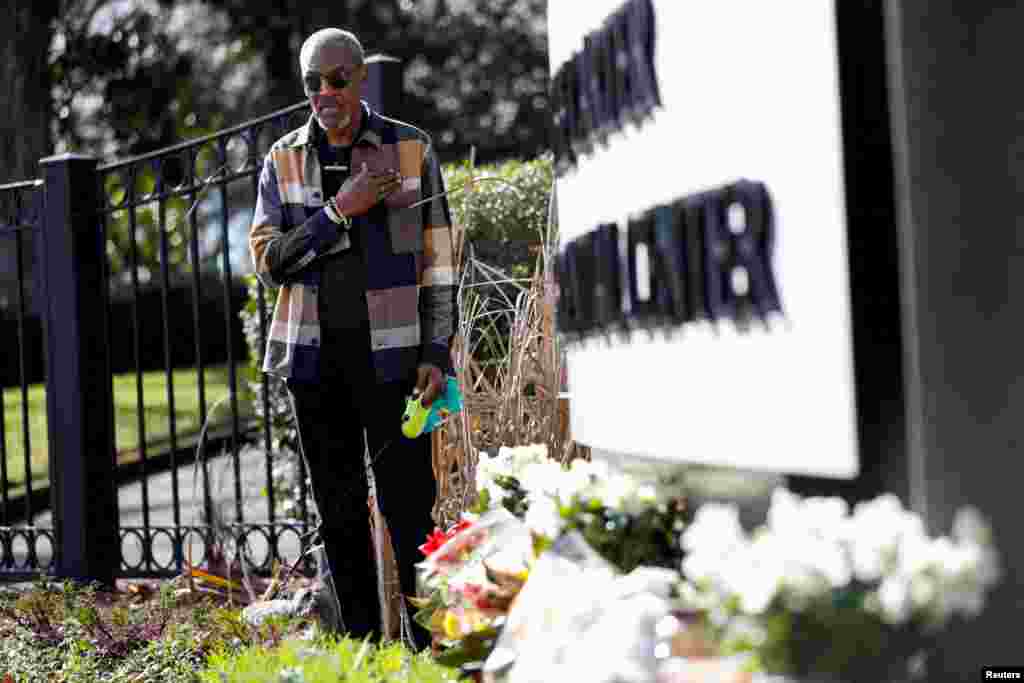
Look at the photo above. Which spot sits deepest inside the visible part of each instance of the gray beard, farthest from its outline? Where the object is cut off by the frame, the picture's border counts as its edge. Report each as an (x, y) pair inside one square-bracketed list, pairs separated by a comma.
[(342, 122)]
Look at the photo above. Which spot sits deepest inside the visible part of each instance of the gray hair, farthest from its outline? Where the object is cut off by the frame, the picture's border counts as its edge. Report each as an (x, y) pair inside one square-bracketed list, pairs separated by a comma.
[(309, 55)]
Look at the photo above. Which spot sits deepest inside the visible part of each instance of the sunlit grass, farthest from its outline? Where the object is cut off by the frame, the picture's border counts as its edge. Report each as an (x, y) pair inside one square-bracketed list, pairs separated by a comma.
[(156, 412)]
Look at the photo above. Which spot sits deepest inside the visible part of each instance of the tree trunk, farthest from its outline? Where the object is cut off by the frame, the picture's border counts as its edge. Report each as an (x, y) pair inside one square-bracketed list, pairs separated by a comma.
[(25, 109)]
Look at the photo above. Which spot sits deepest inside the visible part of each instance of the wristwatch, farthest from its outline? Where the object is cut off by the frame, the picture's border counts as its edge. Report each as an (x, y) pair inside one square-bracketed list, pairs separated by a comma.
[(335, 214)]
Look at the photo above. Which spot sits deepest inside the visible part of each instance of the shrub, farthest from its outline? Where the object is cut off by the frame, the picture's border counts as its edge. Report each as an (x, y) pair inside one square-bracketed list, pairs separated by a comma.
[(78, 634), (514, 210)]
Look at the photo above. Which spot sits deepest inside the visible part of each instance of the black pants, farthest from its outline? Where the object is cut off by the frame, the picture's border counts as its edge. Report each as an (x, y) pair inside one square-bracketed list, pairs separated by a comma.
[(331, 416)]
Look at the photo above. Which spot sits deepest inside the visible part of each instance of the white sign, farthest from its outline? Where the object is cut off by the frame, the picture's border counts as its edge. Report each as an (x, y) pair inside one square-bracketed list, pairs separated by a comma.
[(750, 90)]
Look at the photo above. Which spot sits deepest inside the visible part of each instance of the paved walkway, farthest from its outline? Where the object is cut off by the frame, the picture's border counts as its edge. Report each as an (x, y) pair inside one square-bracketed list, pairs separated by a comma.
[(161, 507)]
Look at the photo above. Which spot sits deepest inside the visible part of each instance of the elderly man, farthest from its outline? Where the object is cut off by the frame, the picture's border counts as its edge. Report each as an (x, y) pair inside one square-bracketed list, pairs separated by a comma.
[(365, 311)]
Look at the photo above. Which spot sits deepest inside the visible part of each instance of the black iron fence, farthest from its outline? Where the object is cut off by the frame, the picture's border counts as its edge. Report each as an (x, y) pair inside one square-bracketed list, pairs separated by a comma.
[(165, 189), (115, 245), (147, 301), (21, 213), (127, 268)]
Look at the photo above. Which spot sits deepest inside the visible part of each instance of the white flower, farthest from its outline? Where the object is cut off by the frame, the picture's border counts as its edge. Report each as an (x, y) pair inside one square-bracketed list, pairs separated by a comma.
[(823, 518), (495, 493), (715, 526), (971, 530), (573, 482), (799, 580), (503, 461), (874, 534), (811, 547), (746, 630), (756, 590), (595, 469), (615, 491), (810, 535), (989, 571), (540, 478), (917, 553), (923, 591), (514, 460), (703, 567), (784, 511), (487, 470), (647, 495), (969, 526), (755, 574), (584, 478), (717, 553), (538, 452), (542, 517), (826, 559), (826, 515), (894, 600), (968, 602), (638, 499)]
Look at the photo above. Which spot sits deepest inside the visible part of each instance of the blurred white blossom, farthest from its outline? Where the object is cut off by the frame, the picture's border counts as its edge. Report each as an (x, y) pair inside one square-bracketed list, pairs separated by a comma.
[(541, 477), (542, 517), (894, 599), (810, 548)]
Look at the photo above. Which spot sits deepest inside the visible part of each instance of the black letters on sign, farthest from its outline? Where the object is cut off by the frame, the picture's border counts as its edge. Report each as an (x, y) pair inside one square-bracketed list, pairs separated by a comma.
[(752, 231), (670, 265), (692, 222), (607, 290), (610, 82), (567, 314), (706, 256), (643, 284)]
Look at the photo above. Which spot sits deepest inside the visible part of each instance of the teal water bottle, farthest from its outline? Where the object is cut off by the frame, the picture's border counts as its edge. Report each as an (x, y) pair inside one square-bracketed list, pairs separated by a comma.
[(417, 419)]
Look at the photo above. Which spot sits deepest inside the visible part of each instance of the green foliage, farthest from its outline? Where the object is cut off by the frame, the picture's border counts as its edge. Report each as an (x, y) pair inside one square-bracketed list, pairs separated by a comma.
[(149, 226), (648, 537), (511, 209), (475, 73), (325, 660), (859, 644), (285, 434), (515, 498), (155, 415), (73, 633), (833, 636), (135, 76), (58, 632), (122, 82), (471, 650), (627, 539)]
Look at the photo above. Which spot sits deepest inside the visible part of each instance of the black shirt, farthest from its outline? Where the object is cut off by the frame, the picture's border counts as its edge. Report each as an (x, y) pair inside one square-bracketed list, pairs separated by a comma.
[(342, 297)]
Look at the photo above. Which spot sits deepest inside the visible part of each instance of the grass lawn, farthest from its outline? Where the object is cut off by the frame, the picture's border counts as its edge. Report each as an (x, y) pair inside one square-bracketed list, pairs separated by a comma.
[(156, 411)]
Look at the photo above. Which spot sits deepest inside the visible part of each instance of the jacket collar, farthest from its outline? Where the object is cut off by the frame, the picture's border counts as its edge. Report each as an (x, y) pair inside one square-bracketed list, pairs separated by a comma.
[(309, 134)]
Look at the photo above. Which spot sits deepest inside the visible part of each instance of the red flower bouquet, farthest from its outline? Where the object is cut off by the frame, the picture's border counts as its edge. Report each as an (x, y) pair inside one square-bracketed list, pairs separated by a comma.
[(438, 538)]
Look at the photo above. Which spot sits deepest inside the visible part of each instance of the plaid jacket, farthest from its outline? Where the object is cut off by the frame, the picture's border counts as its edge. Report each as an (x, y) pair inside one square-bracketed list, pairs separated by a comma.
[(410, 294)]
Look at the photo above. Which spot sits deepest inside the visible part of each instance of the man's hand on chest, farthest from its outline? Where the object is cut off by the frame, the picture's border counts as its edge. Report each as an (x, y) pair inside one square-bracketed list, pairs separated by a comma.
[(364, 190)]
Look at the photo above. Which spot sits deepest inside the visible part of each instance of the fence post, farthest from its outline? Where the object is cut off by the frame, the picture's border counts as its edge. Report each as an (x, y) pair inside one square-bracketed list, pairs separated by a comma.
[(383, 87), (78, 400)]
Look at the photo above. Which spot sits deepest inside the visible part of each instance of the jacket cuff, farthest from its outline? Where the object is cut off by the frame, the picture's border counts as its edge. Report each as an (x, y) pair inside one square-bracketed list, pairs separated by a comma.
[(438, 355), (325, 232)]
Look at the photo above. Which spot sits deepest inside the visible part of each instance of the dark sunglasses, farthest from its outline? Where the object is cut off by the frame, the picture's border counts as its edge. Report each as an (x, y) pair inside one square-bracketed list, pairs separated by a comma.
[(336, 79)]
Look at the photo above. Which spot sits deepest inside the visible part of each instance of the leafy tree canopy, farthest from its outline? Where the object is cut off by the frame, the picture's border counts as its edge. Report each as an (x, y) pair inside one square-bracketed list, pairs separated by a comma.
[(130, 76)]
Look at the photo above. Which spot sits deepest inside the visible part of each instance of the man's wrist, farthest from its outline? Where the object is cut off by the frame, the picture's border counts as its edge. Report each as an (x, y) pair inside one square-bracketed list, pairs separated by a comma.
[(336, 214), (438, 355)]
